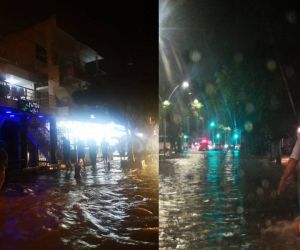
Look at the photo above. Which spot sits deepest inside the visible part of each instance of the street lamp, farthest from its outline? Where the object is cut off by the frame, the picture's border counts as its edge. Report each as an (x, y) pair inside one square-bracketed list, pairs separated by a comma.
[(196, 104), (184, 85), (212, 125), (166, 104)]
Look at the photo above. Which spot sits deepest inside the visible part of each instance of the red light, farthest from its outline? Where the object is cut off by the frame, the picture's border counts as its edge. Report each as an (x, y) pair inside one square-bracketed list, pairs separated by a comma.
[(204, 140)]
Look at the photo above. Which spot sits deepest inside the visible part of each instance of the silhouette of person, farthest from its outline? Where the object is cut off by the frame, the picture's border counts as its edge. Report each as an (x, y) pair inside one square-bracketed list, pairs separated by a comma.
[(93, 152), (105, 150), (80, 152), (121, 149), (3, 165), (67, 152)]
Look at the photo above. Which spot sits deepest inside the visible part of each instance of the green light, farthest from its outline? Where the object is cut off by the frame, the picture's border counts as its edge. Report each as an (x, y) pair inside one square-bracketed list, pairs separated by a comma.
[(236, 136), (212, 124), (185, 136), (218, 135)]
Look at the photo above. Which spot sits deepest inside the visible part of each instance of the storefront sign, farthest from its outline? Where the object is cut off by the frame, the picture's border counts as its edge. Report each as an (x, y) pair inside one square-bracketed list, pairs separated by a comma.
[(29, 107)]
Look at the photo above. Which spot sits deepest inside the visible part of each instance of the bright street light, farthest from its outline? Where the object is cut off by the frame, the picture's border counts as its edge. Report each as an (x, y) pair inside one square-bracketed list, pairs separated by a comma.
[(196, 101), (196, 104), (185, 84), (166, 103)]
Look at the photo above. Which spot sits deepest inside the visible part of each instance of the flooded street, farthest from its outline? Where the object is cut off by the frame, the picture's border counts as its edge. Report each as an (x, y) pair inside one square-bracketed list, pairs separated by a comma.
[(217, 200), (105, 209)]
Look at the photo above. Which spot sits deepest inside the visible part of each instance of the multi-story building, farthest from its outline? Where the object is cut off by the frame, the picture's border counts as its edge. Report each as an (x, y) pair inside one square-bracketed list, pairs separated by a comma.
[(40, 67)]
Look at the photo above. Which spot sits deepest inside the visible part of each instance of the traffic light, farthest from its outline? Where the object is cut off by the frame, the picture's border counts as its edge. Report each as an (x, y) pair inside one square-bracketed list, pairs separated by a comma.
[(212, 124), (218, 135)]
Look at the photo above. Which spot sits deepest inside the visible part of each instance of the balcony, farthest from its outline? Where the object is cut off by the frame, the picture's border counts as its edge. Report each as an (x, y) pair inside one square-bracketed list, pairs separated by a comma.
[(11, 94), (74, 75)]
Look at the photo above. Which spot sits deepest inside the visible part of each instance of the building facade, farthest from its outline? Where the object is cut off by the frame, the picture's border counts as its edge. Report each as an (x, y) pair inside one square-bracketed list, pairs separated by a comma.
[(40, 68)]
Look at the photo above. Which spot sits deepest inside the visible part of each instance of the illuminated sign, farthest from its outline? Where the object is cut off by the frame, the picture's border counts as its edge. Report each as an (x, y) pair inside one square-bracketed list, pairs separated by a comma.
[(28, 106)]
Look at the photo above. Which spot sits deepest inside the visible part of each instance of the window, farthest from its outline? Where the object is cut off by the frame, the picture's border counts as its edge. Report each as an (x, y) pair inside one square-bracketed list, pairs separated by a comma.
[(41, 53)]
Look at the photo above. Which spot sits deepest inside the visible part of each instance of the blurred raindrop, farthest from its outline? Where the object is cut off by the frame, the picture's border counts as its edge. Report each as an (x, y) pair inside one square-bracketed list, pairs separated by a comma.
[(203, 237), (195, 56), (243, 221), (248, 126), (249, 108), (291, 16), (250, 196), (259, 191), (210, 89), (289, 70), (240, 210), (241, 173), (219, 240), (273, 194), (241, 95), (274, 102), (265, 183), (268, 223), (238, 57), (271, 65), (177, 118)]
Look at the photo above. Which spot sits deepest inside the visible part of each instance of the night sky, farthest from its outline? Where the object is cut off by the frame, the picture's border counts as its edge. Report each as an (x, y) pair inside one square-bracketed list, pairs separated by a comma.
[(125, 33), (220, 30)]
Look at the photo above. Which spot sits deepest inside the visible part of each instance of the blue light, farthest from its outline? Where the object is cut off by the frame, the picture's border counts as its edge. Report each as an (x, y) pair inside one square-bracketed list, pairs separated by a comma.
[(12, 116), (8, 112), (41, 116)]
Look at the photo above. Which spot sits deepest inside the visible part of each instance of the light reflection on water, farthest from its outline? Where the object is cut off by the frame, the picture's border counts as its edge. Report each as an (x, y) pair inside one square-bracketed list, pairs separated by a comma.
[(116, 209), (204, 202)]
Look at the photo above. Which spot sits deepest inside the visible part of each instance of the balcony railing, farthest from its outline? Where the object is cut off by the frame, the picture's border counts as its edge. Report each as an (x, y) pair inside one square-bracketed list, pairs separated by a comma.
[(16, 92)]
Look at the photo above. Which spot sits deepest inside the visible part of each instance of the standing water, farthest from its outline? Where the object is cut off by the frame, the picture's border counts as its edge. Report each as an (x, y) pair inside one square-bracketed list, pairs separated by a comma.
[(221, 200), (105, 209)]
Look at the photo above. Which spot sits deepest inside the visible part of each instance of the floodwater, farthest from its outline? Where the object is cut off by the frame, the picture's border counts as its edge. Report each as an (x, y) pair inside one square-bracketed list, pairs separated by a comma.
[(217, 200), (105, 209)]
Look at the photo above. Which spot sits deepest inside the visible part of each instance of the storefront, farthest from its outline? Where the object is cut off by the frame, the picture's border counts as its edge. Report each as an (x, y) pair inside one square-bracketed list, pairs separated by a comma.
[(28, 136)]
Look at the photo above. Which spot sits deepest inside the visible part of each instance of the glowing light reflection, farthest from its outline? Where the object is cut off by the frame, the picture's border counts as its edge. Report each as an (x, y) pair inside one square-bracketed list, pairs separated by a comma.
[(77, 130)]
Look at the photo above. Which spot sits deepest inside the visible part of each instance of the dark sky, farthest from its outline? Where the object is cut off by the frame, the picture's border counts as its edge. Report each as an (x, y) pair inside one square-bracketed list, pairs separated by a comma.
[(123, 32)]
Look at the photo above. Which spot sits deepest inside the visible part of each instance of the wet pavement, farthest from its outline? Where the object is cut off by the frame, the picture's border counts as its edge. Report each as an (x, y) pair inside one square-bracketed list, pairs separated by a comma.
[(104, 209), (217, 200)]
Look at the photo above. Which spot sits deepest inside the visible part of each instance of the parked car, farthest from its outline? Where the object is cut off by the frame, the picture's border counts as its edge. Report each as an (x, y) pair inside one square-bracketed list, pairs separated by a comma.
[(161, 145), (204, 144)]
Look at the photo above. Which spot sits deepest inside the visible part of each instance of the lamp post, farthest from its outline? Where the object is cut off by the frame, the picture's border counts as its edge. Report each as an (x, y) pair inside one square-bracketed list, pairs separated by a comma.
[(212, 125), (165, 105)]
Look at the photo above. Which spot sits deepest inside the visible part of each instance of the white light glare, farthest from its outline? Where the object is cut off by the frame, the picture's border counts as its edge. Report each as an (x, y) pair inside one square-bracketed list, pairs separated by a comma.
[(185, 84), (75, 130), (11, 80), (141, 135)]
